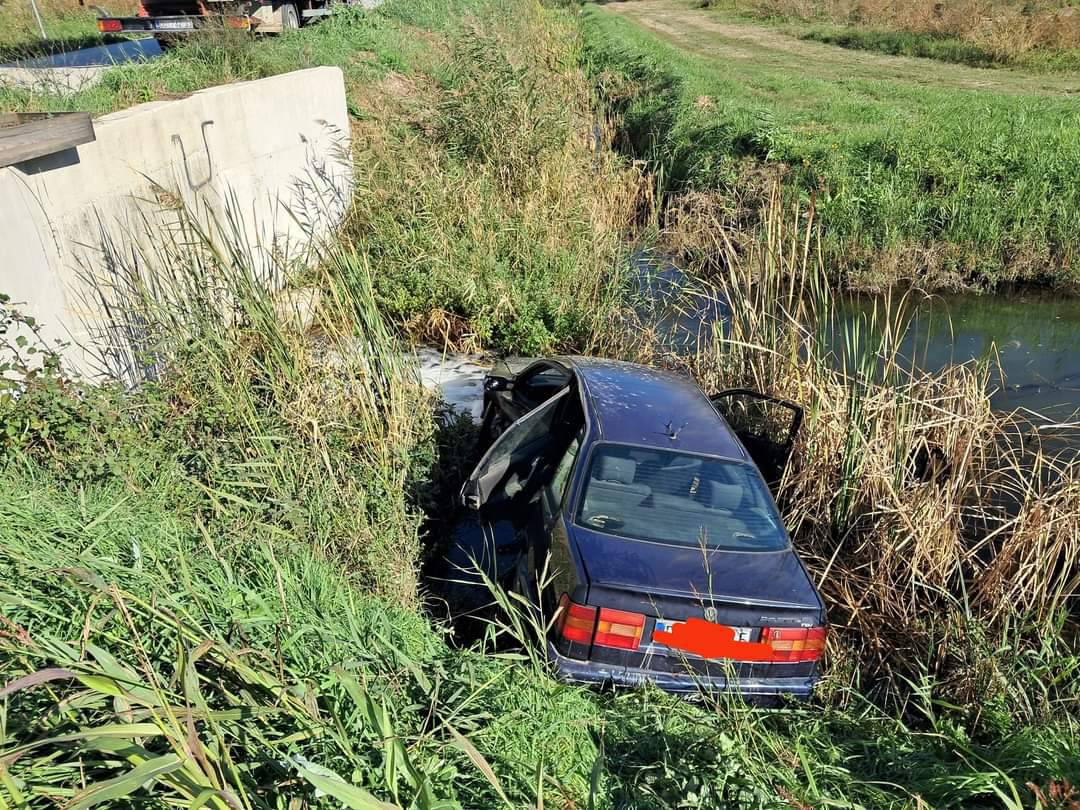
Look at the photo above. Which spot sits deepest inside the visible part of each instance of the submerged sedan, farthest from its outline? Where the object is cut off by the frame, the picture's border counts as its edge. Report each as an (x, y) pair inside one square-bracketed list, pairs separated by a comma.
[(646, 526)]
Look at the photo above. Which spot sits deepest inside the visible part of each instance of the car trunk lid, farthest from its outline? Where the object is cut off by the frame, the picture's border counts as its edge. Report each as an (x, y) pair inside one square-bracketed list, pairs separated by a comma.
[(745, 591), (763, 578)]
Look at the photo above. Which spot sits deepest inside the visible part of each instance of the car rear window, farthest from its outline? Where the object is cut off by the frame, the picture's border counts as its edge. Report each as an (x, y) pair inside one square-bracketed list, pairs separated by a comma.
[(679, 498)]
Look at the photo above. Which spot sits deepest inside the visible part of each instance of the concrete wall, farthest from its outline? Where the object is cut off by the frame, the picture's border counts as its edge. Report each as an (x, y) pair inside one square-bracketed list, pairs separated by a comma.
[(262, 163)]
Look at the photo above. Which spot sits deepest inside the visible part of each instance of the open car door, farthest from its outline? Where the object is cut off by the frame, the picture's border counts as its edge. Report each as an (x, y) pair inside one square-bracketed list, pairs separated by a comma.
[(513, 388), (509, 466), (766, 426)]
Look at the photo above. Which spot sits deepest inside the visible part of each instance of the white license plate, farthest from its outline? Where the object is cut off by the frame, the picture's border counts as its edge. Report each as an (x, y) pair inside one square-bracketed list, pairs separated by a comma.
[(664, 626), (174, 25)]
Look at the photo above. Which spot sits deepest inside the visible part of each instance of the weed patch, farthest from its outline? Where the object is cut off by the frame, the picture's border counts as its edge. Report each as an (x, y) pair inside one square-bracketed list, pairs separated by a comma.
[(896, 43), (509, 232)]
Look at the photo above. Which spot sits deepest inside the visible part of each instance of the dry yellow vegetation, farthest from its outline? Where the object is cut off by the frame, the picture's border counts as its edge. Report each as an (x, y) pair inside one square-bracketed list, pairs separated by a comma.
[(1006, 28)]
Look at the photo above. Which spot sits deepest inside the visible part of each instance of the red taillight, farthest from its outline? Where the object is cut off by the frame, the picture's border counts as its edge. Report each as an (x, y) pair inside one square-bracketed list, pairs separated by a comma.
[(605, 627), (619, 628), (243, 23), (109, 26), (577, 622), (792, 644)]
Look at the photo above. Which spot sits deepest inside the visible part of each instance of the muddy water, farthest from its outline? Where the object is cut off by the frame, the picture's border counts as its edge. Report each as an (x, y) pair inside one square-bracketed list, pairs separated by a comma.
[(1033, 337), (457, 378)]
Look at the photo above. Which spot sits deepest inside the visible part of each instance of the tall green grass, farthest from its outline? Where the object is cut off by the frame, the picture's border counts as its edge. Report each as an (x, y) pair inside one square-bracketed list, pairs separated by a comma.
[(364, 44), (509, 235), (208, 591), (940, 186), (68, 26), (940, 47), (1032, 34), (178, 663), (147, 658), (904, 43)]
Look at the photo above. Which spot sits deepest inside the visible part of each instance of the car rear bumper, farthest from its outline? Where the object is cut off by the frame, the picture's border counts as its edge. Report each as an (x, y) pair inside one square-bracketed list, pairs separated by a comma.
[(754, 690)]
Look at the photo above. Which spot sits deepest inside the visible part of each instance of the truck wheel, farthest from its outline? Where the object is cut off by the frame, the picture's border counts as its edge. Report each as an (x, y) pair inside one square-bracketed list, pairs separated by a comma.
[(290, 17)]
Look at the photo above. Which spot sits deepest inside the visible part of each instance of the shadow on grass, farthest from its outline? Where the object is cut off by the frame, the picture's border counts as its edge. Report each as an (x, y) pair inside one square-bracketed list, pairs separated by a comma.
[(51, 47)]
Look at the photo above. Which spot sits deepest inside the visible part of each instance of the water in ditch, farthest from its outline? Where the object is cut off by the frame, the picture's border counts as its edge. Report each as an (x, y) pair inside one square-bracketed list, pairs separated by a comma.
[(1032, 336)]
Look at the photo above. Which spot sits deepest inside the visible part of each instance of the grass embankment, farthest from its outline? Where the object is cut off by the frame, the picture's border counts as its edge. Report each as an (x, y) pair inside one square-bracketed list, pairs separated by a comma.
[(493, 245), (983, 33), (68, 27), (223, 57), (485, 200), (941, 47), (918, 174), (213, 576)]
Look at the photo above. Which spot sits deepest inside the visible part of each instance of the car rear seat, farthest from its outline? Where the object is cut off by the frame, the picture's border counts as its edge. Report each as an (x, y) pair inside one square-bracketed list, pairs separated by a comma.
[(612, 489), (724, 497), (686, 520)]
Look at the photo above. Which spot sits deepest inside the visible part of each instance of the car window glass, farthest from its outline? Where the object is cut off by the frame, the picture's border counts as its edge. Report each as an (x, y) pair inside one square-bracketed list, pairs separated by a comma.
[(678, 498), (765, 426), (557, 485), (538, 386), (521, 442)]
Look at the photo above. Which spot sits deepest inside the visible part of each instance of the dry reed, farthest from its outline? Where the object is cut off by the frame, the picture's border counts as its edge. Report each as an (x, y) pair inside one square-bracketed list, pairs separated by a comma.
[(922, 514)]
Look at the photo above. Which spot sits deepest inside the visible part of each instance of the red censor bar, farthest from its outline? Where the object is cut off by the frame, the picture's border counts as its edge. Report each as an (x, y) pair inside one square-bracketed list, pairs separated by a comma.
[(778, 645)]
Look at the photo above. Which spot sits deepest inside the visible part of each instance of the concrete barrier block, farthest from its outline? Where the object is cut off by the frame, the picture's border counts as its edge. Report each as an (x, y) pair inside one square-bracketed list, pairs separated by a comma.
[(270, 157)]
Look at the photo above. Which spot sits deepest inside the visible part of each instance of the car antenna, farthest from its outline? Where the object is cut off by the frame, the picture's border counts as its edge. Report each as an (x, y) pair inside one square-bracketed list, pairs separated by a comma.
[(671, 432)]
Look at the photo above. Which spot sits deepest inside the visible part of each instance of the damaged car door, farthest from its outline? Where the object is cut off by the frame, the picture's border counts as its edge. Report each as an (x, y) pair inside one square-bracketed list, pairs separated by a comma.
[(509, 471), (765, 425), (509, 396)]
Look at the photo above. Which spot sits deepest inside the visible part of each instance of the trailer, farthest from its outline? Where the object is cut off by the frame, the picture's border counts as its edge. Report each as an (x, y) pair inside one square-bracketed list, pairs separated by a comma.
[(170, 20)]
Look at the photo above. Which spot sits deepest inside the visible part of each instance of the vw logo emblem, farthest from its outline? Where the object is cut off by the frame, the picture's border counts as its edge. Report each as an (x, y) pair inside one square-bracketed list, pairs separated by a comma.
[(710, 614)]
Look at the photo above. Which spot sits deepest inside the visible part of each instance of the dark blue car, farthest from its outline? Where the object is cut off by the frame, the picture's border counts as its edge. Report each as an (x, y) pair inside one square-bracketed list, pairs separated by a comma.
[(649, 503)]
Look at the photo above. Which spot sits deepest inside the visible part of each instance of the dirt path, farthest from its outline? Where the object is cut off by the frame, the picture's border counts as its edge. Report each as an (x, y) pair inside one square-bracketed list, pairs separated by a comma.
[(710, 34)]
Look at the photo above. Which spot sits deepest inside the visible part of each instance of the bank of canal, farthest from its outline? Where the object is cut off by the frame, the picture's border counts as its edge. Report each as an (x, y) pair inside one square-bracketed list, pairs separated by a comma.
[(1031, 337)]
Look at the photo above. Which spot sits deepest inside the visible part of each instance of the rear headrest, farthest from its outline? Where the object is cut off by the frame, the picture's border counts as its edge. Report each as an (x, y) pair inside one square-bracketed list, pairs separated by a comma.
[(724, 496), (617, 470)]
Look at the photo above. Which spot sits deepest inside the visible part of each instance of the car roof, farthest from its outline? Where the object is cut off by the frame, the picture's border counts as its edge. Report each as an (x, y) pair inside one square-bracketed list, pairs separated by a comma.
[(633, 404)]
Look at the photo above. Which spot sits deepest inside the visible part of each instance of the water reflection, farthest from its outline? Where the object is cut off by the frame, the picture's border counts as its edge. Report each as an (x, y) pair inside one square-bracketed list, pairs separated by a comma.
[(682, 311), (1033, 336)]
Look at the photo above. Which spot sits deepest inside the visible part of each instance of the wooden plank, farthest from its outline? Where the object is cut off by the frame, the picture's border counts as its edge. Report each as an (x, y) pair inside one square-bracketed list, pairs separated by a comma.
[(25, 136)]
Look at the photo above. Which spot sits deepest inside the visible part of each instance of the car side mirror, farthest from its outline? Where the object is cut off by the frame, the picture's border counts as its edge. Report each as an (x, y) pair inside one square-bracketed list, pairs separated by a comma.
[(497, 384)]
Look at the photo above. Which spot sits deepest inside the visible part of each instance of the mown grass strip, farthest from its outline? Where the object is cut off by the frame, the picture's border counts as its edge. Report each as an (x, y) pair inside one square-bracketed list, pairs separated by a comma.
[(903, 43)]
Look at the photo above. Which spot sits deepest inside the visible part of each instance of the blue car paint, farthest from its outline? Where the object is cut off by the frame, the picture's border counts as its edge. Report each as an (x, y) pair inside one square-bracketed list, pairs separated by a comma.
[(648, 407), (640, 405), (767, 578)]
